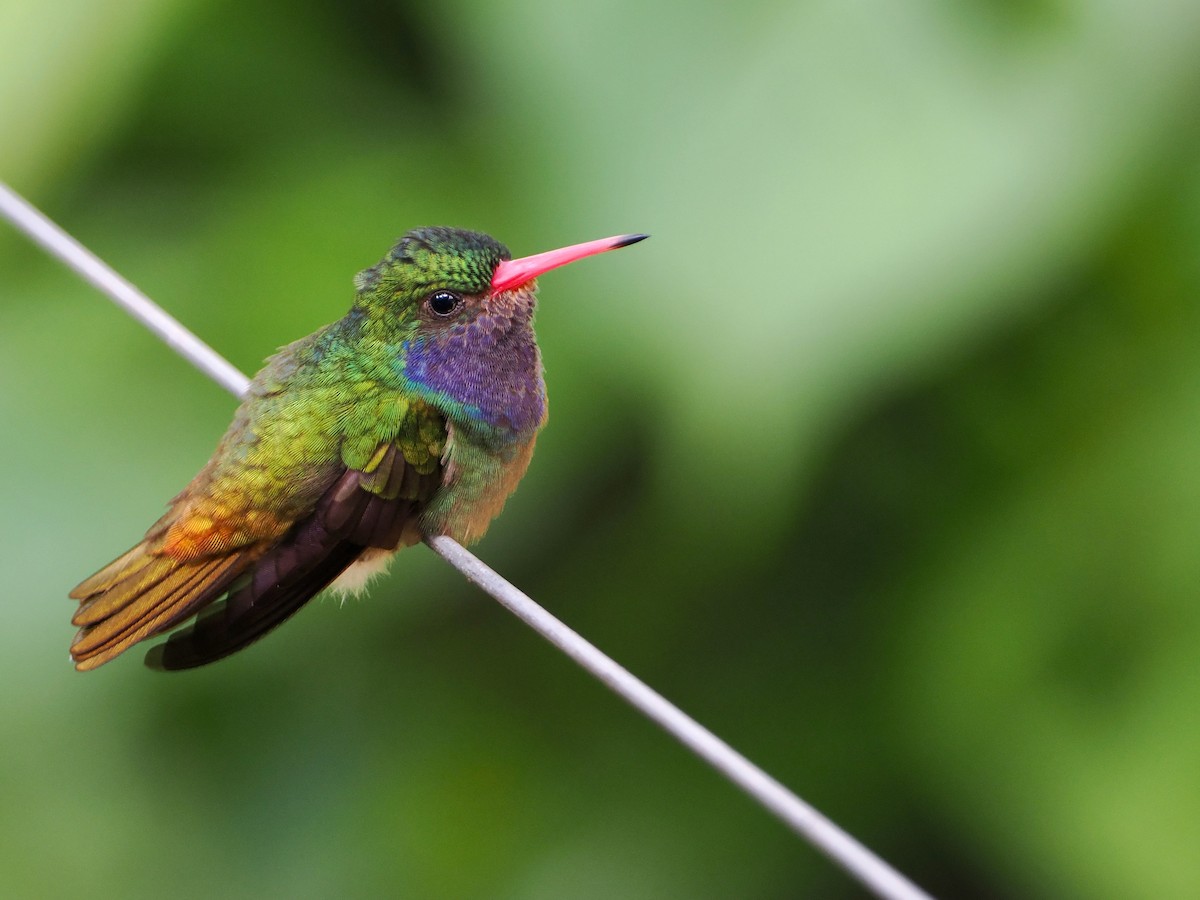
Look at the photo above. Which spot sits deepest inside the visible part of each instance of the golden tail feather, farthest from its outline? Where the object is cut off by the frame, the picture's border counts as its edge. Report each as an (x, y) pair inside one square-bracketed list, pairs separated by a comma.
[(117, 585), (121, 568), (142, 594)]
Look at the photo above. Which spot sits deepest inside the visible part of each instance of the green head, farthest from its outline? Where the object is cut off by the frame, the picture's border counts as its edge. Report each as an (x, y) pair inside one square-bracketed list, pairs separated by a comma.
[(427, 259), (468, 263), (459, 312)]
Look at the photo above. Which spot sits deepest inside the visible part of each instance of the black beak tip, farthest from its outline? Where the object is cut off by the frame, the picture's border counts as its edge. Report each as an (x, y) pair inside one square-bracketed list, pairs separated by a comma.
[(630, 239)]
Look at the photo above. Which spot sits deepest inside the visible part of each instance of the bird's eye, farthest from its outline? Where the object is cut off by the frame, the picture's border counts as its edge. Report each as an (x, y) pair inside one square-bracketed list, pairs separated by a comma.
[(443, 303)]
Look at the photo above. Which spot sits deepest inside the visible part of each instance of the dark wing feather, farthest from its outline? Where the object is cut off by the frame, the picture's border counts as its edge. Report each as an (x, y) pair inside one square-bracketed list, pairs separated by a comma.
[(361, 510), (252, 609)]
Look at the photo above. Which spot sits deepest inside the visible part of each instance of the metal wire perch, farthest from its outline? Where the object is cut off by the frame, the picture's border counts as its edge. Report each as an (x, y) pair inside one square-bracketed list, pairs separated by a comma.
[(870, 870)]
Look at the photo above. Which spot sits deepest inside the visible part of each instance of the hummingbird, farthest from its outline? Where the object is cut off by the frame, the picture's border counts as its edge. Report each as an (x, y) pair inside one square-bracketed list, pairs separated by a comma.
[(413, 415)]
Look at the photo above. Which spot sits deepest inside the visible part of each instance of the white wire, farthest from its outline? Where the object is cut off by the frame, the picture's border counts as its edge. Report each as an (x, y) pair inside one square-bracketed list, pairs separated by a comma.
[(806, 821), (58, 243), (872, 872)]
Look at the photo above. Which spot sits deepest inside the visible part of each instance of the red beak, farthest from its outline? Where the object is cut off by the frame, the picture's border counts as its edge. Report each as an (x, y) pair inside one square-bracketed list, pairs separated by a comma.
[(513, 273)]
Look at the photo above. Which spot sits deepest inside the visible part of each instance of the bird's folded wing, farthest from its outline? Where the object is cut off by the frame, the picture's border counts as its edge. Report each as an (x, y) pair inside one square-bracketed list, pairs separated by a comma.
[(374, 507)]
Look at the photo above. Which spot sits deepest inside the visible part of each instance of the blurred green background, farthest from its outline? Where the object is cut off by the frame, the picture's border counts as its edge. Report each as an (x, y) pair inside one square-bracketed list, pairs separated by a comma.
[(880, 458)]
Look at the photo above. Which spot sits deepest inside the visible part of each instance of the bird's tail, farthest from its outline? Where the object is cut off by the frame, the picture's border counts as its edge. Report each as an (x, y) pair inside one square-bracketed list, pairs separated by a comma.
[(141, 594)]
